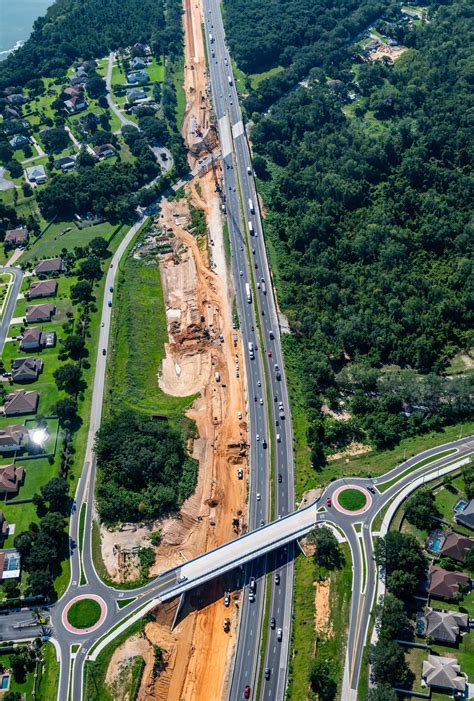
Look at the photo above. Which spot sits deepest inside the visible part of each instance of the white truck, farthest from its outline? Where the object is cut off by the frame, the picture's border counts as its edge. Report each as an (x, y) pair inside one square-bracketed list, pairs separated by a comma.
[(251, 229), (251, 351), (229, 78), (211, 38), (251, 206), (248, 293)]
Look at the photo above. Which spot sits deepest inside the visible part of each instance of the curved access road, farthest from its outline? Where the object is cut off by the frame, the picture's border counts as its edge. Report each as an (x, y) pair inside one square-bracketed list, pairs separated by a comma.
[(13, 292)]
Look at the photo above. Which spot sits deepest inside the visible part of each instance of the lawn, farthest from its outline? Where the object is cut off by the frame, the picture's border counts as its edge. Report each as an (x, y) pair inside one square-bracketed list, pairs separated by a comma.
[(415, 656), (178, 79), (137, 343), (95, 672), (84, 613), (156, 70), (352, 499), (48, 680), (377, 463), (256, 78), (55, 238), (302, 638)]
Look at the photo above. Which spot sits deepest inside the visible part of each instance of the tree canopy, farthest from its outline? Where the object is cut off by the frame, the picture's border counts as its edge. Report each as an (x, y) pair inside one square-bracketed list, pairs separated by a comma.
[(143, 469)]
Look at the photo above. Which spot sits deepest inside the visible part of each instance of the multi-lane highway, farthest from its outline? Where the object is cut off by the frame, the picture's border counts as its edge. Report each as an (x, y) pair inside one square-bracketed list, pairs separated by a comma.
[(246, 235)]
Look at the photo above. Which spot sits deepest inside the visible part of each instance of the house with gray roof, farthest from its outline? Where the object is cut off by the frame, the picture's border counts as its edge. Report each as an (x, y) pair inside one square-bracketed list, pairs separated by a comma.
[(445, 626), (138, 77), (466, 516), (36, 174), (26, 369), (443, 673), (136, 95)]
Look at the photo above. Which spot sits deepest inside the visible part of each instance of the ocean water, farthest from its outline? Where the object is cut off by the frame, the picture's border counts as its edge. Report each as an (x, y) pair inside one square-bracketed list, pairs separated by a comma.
[(16, 22)]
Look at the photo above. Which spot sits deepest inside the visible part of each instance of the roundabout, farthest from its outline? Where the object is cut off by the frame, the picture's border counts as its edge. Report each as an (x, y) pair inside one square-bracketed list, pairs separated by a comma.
[(352, 499), (84, 614)]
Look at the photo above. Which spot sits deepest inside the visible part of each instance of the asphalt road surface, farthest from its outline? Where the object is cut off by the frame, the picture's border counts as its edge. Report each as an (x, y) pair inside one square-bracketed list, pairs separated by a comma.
[(10, 306)]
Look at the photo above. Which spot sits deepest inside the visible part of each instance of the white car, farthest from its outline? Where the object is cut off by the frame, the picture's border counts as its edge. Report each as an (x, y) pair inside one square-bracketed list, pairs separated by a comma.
[(261, 400), (259, 384), (259, 496), (257, 437)]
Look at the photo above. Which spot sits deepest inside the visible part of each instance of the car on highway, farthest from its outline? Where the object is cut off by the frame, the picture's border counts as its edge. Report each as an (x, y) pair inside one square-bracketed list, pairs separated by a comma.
[(109, 303), (280, 478), (277, 578), (247, 692), (269, 353), (261, 400), (272, 623), (104, 351), (279, 635), (102, 324), (251, 597), (278, 438), (259, 496), (262, 522), (257, 437), (267, 672), (259, 384), (328, 502), (111, 288)]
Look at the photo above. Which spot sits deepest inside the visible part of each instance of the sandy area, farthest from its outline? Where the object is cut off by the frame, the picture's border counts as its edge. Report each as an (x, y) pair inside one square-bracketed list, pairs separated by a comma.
[(119, 671), (352, 449), (389, 52), (322, 608)]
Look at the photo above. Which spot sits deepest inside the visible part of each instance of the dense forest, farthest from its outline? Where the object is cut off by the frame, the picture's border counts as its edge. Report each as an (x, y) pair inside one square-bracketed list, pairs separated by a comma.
[(298, 35), (88, 29), (369, 216), (144, 471)]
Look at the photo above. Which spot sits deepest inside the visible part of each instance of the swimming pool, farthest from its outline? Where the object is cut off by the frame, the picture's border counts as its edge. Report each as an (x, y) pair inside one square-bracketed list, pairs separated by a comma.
[(5, 681), (435, 542), (459, 506)]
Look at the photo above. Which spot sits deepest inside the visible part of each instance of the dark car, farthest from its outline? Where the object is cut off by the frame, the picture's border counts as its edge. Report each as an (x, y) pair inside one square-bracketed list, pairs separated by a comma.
[(267, 672), (280, 478), (247, 692), (372, 490), (272, 623), (104, 351), (328, 502)]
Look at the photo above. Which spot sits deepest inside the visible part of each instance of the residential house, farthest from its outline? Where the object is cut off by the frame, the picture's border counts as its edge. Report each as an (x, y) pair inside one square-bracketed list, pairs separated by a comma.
[(89, 120), (138, 77), (443, 673), (16, 237), (40, 312), (104, 151), (466, 516), (456, 546), (65, 163), (10, 113), (3, 526), (42, 288), (21, 401), (36, 339), (13, 438), (36, 174), (444, 626), (26, 369), (143, 48), (73, 91), (17, 99), (444, 584), (10, 564), (50, 266), (77, 79), (136, 95), (138, 63), (11, 478), (19, 141), (75, 104)]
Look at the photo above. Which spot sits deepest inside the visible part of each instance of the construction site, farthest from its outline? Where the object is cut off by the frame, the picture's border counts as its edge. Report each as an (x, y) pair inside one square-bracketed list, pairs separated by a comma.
[(203, 356)]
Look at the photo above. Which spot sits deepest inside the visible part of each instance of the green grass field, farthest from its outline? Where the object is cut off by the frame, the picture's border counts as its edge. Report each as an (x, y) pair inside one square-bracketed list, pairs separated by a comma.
[(137, 343), (84, 613), (352, 499)]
